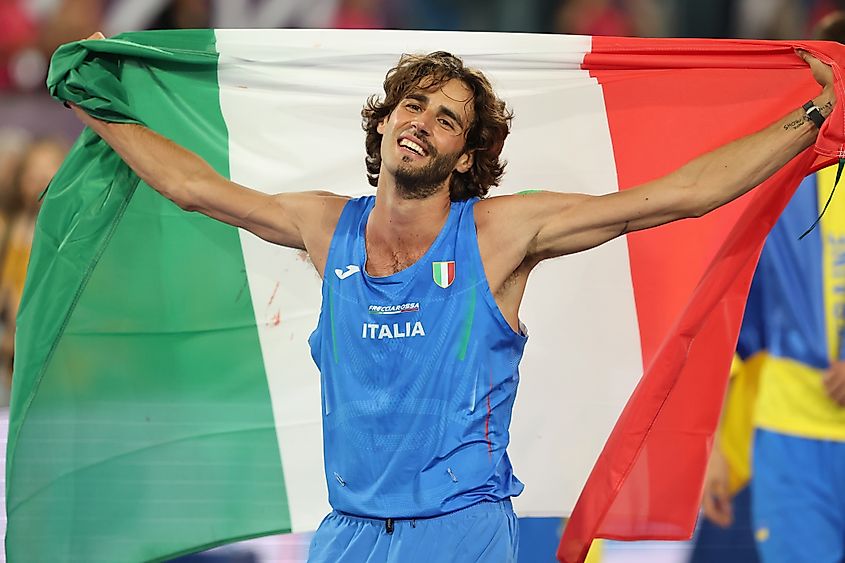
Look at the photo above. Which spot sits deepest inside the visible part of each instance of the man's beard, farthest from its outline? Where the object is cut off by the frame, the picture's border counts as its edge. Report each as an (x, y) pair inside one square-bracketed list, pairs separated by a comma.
[(420, 183)]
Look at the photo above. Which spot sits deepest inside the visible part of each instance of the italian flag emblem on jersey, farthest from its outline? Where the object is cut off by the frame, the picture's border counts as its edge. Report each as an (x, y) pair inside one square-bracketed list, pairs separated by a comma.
[(444, 273)]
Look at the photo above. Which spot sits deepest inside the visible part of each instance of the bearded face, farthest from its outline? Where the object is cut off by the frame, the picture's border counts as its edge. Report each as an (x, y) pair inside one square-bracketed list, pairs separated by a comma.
[(423, 139), (419, 181)]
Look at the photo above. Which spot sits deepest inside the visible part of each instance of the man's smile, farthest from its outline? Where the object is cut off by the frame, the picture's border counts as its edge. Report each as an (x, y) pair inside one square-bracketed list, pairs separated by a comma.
[(412, 145)]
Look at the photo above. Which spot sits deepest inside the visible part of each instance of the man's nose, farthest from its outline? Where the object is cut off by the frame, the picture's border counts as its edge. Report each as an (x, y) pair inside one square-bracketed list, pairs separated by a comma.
[(422, 123)]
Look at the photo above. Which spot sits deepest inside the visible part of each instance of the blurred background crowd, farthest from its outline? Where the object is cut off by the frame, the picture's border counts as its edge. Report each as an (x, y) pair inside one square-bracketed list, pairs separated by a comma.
[(30, 30)]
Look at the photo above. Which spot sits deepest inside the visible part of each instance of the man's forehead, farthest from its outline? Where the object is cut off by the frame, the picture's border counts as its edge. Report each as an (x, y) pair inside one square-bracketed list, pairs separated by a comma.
[(458, 90), (453, 89)]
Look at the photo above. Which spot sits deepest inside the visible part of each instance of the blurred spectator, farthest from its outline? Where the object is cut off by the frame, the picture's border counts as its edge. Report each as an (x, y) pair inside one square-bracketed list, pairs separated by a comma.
[(63, 21), (770, 19), (833, 25), (184, 14), (704, 18), (35, 169), (31, 30), (272, 13), (816, 10), (360, 14), (650, 18), (17, 33), (429, 14), (642, 18), (13, 144), (592, 17), (790, 388)]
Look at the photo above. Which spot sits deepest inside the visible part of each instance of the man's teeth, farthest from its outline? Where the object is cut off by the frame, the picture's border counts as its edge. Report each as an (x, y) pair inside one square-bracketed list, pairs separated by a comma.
[(408, 144)]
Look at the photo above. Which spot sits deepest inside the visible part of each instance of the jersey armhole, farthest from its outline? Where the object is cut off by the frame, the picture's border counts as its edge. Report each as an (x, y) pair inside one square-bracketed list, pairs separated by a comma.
[(487, 293)]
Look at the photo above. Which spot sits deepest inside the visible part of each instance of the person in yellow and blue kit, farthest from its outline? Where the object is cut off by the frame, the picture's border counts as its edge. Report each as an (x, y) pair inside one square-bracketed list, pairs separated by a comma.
[(791, 382), (791, 344)]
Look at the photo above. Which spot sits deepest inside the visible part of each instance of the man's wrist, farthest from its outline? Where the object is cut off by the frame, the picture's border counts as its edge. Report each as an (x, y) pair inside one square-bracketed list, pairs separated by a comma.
[(825, 101), (813, 114)]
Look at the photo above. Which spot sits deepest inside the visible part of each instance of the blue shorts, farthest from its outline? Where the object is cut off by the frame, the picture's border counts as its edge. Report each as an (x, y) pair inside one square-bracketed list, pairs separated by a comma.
[(486, 532), (798, 499)]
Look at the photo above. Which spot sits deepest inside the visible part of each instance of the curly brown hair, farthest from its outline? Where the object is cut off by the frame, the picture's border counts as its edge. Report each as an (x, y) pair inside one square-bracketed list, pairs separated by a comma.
[(485, 137)]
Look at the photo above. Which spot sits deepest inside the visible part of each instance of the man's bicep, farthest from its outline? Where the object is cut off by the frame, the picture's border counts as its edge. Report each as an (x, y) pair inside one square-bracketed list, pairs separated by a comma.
[(276, 218), (296, 220), (273, 218), (570, 223)]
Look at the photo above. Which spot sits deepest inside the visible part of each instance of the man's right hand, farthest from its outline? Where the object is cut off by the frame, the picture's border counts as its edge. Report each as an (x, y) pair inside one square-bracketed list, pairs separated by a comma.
[(834, 382), (716, 503)]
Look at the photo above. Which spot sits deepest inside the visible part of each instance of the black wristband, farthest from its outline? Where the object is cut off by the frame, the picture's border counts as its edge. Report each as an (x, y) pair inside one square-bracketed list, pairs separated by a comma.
[(813, 113)]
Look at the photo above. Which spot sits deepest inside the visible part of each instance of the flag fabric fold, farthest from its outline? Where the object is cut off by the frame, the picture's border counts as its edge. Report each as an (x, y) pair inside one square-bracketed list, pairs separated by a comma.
[(164, 399)]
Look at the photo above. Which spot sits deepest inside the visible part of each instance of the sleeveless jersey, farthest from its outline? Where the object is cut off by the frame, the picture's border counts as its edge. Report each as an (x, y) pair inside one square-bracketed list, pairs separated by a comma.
[(419, 372), (794, 323)]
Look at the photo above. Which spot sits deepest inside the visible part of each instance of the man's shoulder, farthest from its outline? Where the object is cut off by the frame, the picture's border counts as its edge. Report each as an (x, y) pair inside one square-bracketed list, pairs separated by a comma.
[(315, 209), (500, 216), (505, 200), (521, 212), (501, 206), (323, 195), (319, 201), (494, 203)]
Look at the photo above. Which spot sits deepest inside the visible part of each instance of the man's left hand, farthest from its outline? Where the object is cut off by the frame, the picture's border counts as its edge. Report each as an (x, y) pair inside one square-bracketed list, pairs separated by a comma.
[(821, 71)]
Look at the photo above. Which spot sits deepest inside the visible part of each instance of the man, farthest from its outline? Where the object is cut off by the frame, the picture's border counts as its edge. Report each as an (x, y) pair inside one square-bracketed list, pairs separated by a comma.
[(416, 410), (793, 353)]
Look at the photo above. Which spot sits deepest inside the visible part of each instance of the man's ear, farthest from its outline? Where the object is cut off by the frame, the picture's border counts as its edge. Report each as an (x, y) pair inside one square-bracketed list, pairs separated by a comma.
[(465, 162), (380, 126)]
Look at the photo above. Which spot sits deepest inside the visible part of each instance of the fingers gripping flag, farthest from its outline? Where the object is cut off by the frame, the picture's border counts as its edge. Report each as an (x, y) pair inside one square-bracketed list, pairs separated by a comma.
[(164, 399)]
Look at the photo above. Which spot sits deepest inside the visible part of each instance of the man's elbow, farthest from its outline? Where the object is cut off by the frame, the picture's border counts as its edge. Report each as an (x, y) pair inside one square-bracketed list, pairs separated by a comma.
[(187, 192), (179, 196), (700, 200)]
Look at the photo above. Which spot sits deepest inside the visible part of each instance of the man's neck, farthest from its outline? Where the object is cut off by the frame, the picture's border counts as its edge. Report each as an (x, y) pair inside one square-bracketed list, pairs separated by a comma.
[(399, 223)]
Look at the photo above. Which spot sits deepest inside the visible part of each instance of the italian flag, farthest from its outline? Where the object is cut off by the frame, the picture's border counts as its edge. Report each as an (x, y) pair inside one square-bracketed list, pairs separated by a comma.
[(164, 396)]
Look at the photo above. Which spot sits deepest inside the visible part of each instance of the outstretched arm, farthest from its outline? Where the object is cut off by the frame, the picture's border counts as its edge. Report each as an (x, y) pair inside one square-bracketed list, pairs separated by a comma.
[(192, 184), (554, 224), (303, 220)]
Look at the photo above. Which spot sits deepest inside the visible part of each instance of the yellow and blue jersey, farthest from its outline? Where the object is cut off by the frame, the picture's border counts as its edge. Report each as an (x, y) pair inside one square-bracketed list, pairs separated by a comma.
[(791, 332), (795, 316)]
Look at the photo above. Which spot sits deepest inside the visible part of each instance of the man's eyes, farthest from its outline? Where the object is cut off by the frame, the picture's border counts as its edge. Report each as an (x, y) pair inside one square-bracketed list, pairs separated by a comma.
[(444, 122)]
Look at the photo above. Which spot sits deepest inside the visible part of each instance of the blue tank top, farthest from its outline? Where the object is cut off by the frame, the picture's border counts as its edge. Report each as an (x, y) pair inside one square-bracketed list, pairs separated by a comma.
[(419, 372)]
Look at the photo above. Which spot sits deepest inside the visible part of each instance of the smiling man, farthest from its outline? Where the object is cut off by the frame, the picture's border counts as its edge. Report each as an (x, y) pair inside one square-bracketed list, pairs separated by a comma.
[(419, 339)]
